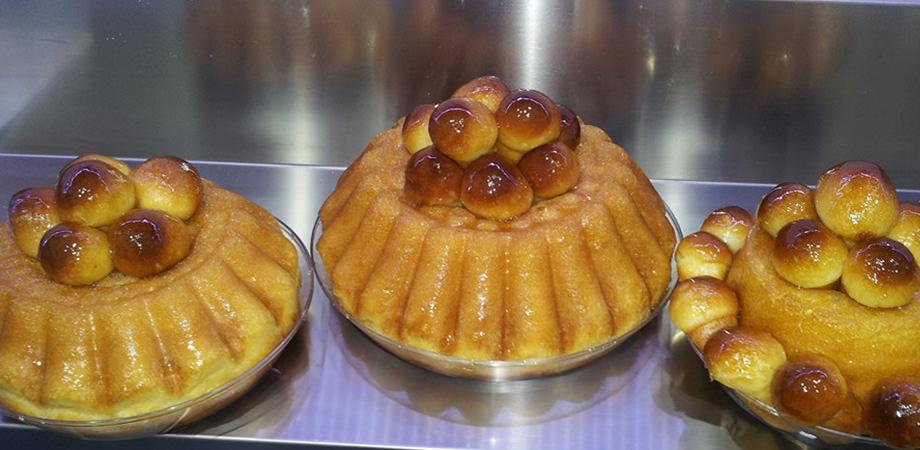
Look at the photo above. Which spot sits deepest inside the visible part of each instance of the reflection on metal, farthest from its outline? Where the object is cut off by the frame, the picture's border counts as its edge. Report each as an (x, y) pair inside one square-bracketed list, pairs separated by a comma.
[(740, 91)]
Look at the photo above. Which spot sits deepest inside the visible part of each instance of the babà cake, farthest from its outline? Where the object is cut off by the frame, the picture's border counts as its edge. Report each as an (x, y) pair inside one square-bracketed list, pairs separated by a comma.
[(817, 312), (496, 226), (124, 291)]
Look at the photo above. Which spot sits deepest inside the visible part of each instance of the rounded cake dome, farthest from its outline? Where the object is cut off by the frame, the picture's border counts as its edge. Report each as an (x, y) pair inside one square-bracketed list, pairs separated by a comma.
[(125, 346), (489, 278)]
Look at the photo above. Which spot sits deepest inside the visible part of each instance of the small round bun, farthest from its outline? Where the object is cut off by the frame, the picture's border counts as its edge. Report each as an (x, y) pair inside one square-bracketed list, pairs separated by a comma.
[(730, 224), (75, 254), (702, 254), (146, 242), (856, 200), (893, 413), (415, 128), (907, 228), (809, 389), (32, 213), (551, 169), (93, 193), (494, 188), (432, 178), (168, 184), (528, 119), (744, 359), (463, 129), (571, 128), (488, 90), (881, 273), (784, 204), (117, 164), (700, 301), (808, 255)]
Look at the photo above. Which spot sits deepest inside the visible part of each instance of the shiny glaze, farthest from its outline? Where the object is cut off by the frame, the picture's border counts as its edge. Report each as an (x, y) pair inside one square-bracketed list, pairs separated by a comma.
[(118, 165), (432, 178), (571, 128), (730, 224), (415, 128), (147, 242), (488, 90), (462, 129), (907, 229), (807, 254), (787, 202), (552, 169), (744, 359), (811, 391), (75, 254), (169, 184), (893, 414), (93, 193), (32, 212), (885, 261), (856, 200), (494, 188), (700, 254), (527, 119)]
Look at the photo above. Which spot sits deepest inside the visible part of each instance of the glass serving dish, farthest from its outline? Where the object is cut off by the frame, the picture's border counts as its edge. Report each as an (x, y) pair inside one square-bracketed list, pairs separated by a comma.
[(812, 435), (188, 411), (491, 370)]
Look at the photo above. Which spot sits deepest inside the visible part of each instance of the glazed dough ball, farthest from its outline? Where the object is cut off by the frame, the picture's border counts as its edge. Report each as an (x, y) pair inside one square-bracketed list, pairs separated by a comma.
[(415, 128), (117, 164), (513, 156), (495, 189), (907, 228), (32, 213), (880, 273), (730, 224), (744, 360), (146, 242), (893, 413), (570, 134), (809, 389), (699, 301), (808, 255), (856, 200), (702, 254), (432, 178), (785, 204), (93, 193), (528, 119), (488, 90), (551, 169), (75, 254), (463, 129), (168, 184)]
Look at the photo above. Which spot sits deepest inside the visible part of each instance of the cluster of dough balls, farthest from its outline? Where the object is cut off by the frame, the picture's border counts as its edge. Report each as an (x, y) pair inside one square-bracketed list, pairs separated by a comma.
[(102, 216), (491, 149), (849, 233)]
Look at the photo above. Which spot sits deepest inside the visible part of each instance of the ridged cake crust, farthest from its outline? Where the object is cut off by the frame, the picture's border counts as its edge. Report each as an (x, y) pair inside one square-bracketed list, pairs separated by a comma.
[(867, 344), (125, 346), (572, 272)]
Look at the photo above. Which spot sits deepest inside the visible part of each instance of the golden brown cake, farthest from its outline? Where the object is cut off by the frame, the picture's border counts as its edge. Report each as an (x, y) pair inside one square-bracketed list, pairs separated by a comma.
[(507, 245), (123, 346), (828, 307)]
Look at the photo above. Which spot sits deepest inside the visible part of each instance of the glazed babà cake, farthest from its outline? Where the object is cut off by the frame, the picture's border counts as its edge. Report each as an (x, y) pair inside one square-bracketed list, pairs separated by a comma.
[(127, 291), (496, 226), (817, 312)]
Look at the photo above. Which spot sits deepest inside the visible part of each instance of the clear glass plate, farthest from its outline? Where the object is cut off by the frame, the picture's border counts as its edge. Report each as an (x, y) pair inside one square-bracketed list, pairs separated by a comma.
[(767, 414), (492, 370), (186, 412)]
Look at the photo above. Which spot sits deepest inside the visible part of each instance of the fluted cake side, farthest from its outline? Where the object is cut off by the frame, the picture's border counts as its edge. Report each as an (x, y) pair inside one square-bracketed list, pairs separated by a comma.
[(571, 272), (127, 346)]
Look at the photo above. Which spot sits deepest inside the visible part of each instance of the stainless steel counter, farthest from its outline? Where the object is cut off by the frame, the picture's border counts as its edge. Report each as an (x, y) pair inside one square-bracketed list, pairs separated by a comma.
[(704, 90), (333, 386)]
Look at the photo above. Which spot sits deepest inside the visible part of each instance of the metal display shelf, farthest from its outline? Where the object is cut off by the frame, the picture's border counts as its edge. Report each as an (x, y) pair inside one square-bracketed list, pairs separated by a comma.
[(334, 387)]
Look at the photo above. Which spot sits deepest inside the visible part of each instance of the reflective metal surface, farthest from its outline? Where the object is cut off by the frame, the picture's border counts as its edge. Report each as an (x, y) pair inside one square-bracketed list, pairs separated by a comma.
[(334, 386), (737, 91)]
